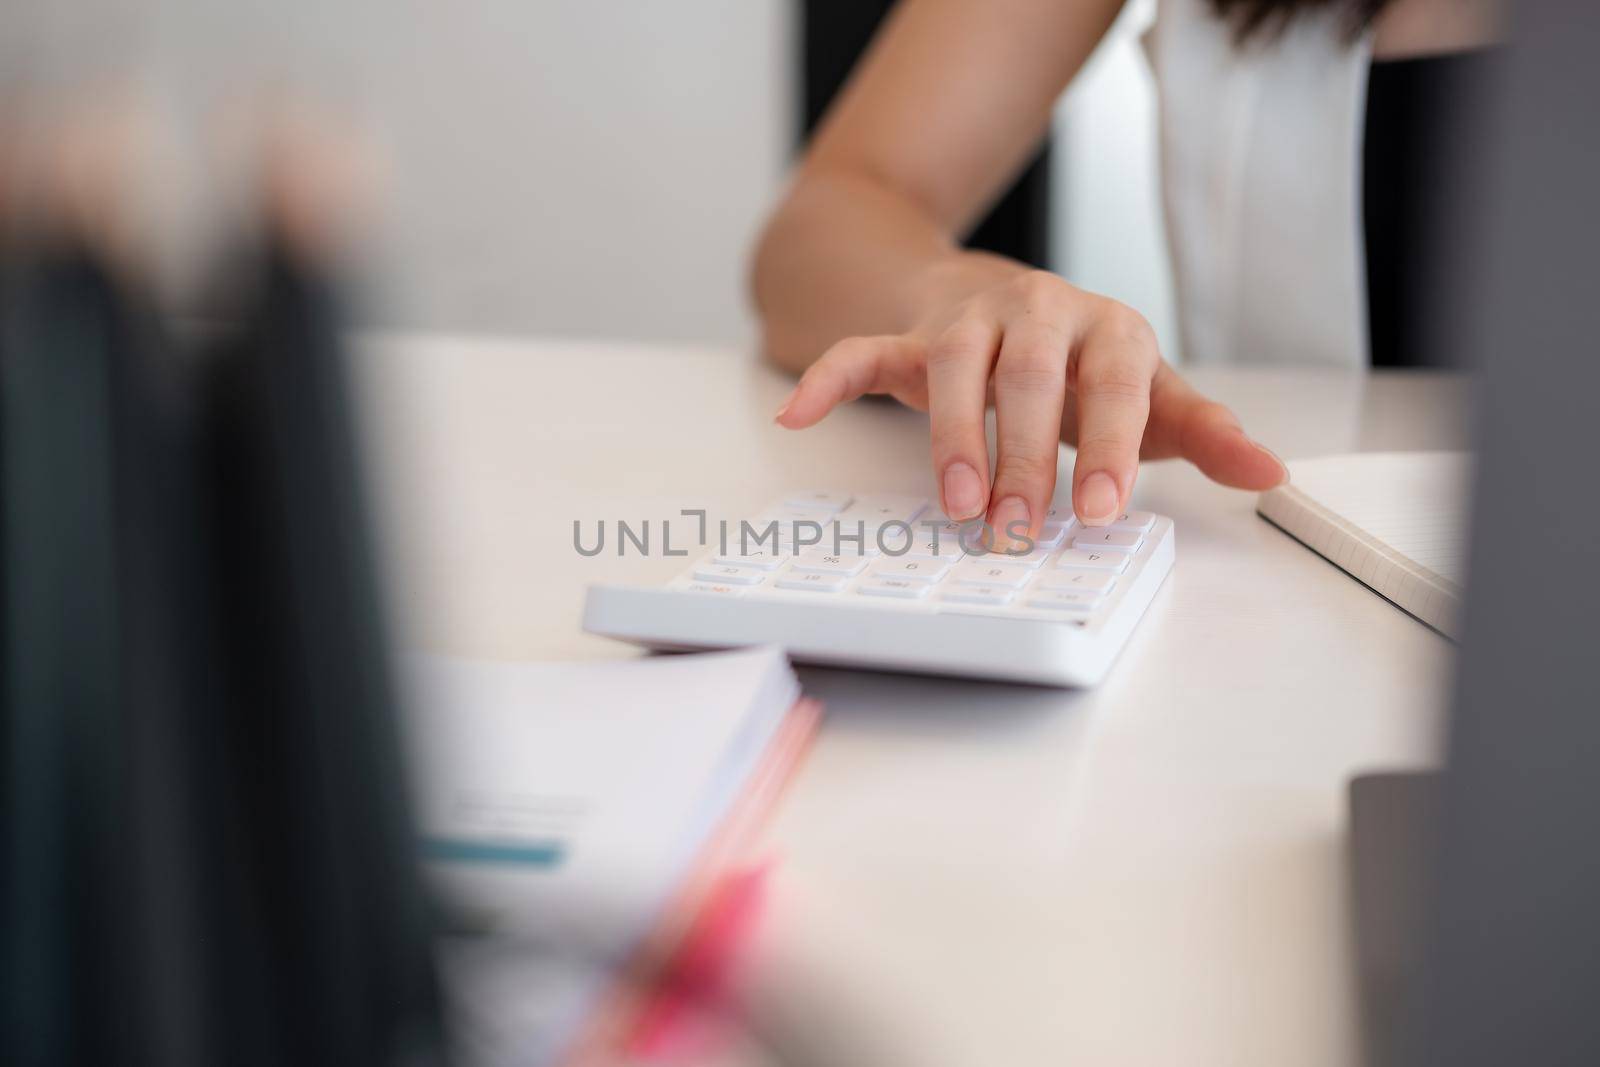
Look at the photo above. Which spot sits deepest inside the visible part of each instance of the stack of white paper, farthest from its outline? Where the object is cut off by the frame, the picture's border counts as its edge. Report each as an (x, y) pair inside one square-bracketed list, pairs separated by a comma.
[(1395, 521), (563, 807)]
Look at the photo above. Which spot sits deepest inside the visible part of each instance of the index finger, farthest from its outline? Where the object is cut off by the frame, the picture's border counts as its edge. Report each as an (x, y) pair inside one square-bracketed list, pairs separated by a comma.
[(849, 370), (1185, 423)]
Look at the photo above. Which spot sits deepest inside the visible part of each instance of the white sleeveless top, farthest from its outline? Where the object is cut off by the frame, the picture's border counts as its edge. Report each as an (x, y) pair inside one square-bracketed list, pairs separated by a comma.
[(1261, 176)]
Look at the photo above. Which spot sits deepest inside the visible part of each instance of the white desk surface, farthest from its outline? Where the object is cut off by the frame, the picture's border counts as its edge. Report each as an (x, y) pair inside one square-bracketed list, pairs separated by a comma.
[(1149, 873)]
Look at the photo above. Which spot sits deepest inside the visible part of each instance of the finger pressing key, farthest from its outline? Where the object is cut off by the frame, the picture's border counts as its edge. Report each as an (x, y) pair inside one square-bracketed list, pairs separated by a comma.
[(1112, 373), (958, 386), (1030, 384)]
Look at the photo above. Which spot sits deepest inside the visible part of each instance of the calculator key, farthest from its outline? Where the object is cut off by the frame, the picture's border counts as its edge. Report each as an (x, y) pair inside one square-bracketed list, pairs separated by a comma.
[(847, 546), (719, 590), (927, 546), (916, 570), (896, 587), (815, 583), (1140, 521), (817, 501), (720, 574), (1094, 583), (815, 562), (851, 550), (805, 537), (789, 516), (977, 594), (826, 536), (1115, 562), (967, 536), (813, 525), (1064, 600), (1020, 559), (877, 510), (982, 572), (949, 527), (761, 559), (1052, 534), (766, 530), (1107, 539)]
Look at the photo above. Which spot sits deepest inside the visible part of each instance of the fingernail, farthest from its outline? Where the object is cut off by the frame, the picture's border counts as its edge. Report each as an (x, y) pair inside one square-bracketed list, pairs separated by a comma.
[(788, 402), (963, 492), (1010, 517), (1275, 457), (1098, 500)]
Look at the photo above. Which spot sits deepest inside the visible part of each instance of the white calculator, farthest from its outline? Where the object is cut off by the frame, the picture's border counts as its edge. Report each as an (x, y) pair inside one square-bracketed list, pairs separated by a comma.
[(888, 583)]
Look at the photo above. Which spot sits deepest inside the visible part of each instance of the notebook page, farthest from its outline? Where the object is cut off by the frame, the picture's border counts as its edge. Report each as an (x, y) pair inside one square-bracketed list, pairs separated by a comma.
[(1413, 502)]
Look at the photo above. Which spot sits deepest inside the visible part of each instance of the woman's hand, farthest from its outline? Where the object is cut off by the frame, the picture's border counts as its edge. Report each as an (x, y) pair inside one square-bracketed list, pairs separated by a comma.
[(1060, 364), (945, 109)]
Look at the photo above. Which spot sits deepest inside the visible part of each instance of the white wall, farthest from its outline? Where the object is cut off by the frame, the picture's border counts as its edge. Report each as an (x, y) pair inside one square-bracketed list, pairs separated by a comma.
[(591, 167), (582, 166), (599, 166), (586, 167)]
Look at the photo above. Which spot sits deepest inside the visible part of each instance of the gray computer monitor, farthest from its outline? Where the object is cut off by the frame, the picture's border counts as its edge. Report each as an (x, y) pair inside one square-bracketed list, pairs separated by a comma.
[(1506, 919)]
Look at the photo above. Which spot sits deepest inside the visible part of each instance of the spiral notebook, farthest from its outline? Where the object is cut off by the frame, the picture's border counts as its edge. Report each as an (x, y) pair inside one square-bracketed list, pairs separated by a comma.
[(1395, 521)]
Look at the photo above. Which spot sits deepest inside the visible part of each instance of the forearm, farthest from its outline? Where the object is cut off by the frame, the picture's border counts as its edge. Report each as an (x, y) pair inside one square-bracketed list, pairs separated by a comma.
[(847, 256)]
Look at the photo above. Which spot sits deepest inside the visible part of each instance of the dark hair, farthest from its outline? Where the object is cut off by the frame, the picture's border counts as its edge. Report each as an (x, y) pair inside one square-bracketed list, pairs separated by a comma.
[(1251, 17)]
